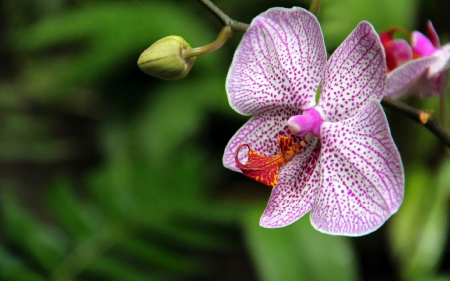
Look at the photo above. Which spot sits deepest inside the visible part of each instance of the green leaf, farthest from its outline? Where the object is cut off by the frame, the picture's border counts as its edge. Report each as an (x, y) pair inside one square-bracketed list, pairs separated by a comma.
[(43, 243), (86, 252), (430, 278), (11, 268), (104, 36), (419, 230), (157, 256), (191, 237), (178, 113), (20, 274), (116, 178), (339, 18), (297, 252), (68, 211), (113, 270)]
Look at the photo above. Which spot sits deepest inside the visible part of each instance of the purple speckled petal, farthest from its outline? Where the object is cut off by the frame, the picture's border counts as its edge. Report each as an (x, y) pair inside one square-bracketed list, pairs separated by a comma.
[(362, 178), (279, 62), (401, 80), (261, 133), (298, 185), (355, 73)]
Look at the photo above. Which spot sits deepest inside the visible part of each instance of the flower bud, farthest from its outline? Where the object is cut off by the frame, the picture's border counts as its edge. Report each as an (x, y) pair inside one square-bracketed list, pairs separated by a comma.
[(164, 59)]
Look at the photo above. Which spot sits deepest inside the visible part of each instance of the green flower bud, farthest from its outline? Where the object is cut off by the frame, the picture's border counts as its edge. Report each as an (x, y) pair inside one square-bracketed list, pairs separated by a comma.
[(164, 59)]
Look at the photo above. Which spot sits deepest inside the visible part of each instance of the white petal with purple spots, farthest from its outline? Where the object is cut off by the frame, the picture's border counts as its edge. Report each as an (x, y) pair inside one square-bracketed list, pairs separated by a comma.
[(298, 185), (261, 133), (362, 179), (279, 62), (355, 73)]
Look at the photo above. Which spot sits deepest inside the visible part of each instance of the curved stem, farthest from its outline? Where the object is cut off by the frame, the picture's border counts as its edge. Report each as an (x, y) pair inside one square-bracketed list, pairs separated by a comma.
[(224, 18), (223, 36), (314, 7), (417, 115)]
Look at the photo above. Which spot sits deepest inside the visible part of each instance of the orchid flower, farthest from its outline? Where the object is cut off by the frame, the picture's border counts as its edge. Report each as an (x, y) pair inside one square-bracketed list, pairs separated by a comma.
[(398, 51), (335, 159), (420, 67)]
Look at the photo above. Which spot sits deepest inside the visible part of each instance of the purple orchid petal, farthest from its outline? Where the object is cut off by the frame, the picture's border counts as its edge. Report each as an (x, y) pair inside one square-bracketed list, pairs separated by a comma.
[(443, 61), (432, 34), (421, 44), (432, 86), (435, 80), (355, 73), (261, 133), (400, 51), (362, 178), (402, 80), (442, 83), (279, 62), (298, 185)]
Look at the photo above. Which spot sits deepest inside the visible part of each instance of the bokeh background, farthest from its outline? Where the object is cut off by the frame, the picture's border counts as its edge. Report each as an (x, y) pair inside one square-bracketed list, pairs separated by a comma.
[(109, 174)]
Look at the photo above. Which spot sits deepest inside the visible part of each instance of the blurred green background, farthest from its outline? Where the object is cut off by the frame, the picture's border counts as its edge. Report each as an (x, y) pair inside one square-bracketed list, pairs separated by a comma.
[(109, 174)]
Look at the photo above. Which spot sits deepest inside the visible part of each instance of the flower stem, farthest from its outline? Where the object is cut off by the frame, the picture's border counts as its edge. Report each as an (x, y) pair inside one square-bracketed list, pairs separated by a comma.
[(413, 113), (314, 7), (224, 18), (223, 36)]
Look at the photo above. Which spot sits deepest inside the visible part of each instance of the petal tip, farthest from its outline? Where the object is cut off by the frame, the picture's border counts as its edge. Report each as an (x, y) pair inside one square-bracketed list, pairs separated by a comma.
[(343, 232)]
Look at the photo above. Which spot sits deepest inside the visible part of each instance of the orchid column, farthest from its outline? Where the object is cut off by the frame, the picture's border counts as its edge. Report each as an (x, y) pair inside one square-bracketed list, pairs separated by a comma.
[(336, 159)]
